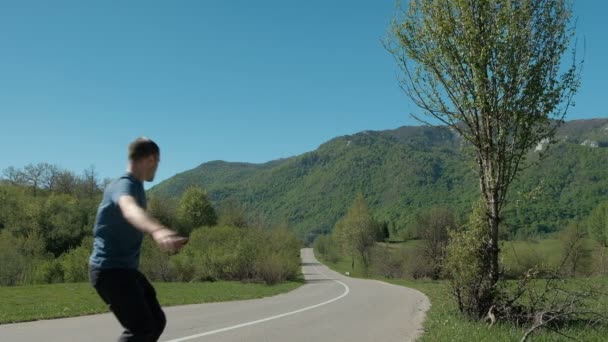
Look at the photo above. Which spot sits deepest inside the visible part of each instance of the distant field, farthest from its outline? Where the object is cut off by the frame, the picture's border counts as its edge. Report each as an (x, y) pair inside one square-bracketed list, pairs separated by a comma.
[(549, 252), (34, 302), (444, 322)]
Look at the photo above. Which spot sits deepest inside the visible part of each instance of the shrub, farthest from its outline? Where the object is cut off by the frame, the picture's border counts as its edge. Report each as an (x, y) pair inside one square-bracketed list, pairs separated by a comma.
[(388, 263), (48, 272), (327, 248), (417, 265), (75, 263), (272, 268), (12, 263), (154, 263), (280, 259), (467, 263)]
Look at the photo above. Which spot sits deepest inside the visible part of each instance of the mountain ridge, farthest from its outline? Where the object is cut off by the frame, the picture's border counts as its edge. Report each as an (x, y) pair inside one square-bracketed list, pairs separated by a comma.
[(401, 172)]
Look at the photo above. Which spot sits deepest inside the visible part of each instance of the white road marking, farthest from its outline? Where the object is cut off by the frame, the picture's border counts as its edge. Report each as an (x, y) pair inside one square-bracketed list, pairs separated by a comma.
[(346, 291)]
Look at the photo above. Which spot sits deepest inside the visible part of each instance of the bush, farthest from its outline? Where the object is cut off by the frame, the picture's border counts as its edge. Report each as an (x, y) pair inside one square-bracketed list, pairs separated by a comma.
[(467, 263), (184, 266), (576, 250), (154, 263), (388, 263), (322, 244), (417, 265), (19, 255), (272, 268), (280, 259), (218, 256), (231, 253), (600, 261), (12, 263), (75, 263), (48, 272), (326, 247)]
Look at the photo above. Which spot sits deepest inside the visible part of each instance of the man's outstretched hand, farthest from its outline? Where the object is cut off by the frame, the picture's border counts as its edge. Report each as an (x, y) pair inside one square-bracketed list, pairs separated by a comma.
[(168, 240)]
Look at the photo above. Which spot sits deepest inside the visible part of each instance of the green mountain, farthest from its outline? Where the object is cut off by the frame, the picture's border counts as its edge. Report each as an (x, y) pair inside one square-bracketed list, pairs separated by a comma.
[(404, 171)]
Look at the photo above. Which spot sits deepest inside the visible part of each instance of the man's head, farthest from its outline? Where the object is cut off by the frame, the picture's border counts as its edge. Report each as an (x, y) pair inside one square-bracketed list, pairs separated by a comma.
[(144, 156)]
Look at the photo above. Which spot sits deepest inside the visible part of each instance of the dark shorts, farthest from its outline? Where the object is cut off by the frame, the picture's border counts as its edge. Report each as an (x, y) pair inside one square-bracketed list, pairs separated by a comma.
[(132, 299)]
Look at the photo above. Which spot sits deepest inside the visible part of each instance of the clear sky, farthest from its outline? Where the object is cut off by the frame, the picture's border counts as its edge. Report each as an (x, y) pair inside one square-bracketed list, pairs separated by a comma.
[(248, 81)]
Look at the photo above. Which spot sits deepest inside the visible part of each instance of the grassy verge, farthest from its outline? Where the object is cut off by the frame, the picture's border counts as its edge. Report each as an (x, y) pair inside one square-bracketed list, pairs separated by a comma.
[(33, 302), (444, 322)]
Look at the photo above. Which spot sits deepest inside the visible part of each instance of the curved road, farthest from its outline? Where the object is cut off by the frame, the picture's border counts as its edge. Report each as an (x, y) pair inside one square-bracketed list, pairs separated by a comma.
[(329, 307)]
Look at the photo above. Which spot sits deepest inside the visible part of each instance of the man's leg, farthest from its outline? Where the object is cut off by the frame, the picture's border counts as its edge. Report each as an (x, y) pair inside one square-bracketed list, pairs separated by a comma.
[(124, 292), (155, 308)]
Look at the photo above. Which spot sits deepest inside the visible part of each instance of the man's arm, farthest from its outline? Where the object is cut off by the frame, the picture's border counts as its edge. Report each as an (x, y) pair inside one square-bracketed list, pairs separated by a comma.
[(166, 238)]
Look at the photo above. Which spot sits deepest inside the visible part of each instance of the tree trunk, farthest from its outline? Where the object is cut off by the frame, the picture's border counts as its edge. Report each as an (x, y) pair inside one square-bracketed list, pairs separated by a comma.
[(489, 186), (494, 221)]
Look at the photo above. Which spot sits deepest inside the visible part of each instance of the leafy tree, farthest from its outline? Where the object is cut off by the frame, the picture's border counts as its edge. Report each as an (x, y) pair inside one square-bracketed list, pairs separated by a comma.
[(357, 231), (597, 224), (163, 209), (491, 70), (195, 210), (62, 223), (75, 262), (577, 253), (12, 262), (231, 213)]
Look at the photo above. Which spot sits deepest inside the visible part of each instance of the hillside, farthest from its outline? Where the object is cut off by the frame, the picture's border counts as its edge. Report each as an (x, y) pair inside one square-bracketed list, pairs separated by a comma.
[(403, 171)]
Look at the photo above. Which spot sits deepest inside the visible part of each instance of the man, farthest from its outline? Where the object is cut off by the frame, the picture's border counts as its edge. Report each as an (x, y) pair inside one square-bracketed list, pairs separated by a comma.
[(119, 229)]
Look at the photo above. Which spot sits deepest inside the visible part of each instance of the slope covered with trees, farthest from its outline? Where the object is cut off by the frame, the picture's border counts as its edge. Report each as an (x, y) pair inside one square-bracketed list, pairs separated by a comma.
[(403, 171)]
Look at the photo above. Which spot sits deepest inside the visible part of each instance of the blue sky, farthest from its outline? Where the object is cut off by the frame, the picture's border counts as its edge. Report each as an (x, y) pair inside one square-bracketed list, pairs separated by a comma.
[(247, 81)]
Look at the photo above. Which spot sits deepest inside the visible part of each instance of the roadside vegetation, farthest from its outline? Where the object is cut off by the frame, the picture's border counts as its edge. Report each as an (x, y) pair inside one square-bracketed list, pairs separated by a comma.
[(46, 222), (564, 275)]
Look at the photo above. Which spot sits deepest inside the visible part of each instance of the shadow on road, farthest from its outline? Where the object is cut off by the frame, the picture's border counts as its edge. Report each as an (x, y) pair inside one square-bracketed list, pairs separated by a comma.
[(312, 281), (310, 264)]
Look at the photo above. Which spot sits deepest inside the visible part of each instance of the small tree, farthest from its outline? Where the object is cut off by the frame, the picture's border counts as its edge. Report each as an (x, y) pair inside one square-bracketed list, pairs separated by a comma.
[(162, 209), (577, 254), (597, 224), (466, 265), (231, 213), (356, 232), (195, 210), (432, 227)]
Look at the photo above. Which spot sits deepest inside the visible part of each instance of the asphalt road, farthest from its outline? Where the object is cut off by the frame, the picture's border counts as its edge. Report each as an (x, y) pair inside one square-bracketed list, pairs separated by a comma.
[(329, 307)]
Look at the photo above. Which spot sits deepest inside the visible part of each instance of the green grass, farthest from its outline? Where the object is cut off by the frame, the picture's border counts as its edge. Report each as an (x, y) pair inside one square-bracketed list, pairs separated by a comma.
[(34, 302), (548, 251), (444, 322)]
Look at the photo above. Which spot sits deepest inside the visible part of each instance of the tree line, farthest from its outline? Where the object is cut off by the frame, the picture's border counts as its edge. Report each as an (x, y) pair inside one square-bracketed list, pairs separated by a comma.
[(47, 216)]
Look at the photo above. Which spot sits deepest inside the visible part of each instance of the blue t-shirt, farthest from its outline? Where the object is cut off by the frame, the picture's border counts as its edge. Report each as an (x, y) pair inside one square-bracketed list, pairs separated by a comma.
[(117, 243)]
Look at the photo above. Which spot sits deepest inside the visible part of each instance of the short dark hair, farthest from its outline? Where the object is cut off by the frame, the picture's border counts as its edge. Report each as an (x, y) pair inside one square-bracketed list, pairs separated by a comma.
[(142, 147)]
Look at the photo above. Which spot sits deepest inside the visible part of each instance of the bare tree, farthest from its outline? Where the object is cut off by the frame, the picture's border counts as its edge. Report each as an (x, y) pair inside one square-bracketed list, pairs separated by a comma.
[(14, 176), (89, 181), (432, 227)]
